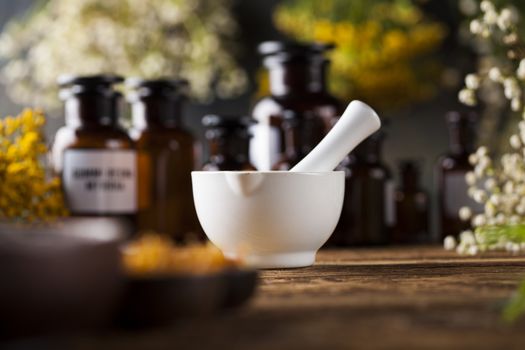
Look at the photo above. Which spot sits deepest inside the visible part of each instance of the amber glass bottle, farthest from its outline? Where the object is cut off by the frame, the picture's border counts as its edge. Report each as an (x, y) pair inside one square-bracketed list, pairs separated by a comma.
[(94, 156), (228, 140), (411, 207), (165, 157), (450, 172), (295, 129), (297, 75), (368, 214)]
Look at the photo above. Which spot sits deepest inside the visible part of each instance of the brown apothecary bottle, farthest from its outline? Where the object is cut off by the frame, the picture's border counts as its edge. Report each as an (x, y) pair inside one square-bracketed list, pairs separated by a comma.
[(228, 141), (297, 73), (296, 129), (165, 157), (368, 213), (412, 207), (450, 173), (94, 156)]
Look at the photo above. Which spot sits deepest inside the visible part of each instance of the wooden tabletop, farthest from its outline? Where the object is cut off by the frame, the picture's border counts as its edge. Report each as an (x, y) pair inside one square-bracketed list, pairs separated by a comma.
[(406, 298)]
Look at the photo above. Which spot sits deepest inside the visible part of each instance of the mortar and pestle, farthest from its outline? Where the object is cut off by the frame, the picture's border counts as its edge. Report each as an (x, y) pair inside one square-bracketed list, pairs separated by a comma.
[(279, 219)]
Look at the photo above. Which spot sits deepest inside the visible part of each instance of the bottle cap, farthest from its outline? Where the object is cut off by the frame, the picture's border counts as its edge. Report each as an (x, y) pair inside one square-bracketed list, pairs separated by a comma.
[(97, 93), (461, 117), (219, 125), (73, 85), (285, 51), (164, 87)]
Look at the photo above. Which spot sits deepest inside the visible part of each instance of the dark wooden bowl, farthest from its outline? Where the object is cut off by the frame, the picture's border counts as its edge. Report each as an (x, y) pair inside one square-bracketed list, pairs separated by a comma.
[(59, 278), (241, 285), (154, 301)]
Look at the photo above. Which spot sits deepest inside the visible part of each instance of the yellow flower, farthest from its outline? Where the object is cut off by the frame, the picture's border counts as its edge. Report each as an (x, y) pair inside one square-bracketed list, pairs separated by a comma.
[(14, 169), (26, 192), (345, 33), (395, 42), (324, 31), (11, 124), (384, 49)]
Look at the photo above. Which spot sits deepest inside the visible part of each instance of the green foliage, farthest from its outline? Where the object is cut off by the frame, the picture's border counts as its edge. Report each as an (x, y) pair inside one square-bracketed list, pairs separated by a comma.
[(516, 306)]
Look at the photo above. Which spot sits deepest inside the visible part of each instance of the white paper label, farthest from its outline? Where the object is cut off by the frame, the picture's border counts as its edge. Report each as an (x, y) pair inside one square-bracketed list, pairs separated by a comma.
[(100, 181), (265, 146)]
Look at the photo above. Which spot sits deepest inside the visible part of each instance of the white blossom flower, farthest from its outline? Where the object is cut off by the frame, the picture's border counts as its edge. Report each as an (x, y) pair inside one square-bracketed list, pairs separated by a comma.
[(484, 162), (491, 221), (495, 74), (510, 39), (461, 249), (508, 187), (491, 184), (472, 81), (503, 192), (515, 104), (480, 238), (473, 159), (482, 151), (475, 26), (487, 6), (465, 213), (480, 196), (513, 247), (486, 32), (515, 141), (479, 171), (467, 237), (514, 219), (507, 18), (490, 210), (520, 209), (467, 97), (193, 39), (449, 243), (470, 178), (520, 72), (479, 220), (472, 250), (490, 17), (511, 88)]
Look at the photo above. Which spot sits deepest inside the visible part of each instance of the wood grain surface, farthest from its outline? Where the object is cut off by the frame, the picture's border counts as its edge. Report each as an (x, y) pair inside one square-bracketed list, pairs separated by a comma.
[(384, 298)]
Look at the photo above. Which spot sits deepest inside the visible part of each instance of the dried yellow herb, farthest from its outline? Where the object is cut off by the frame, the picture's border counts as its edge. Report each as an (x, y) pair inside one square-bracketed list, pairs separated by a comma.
[(27, 193)]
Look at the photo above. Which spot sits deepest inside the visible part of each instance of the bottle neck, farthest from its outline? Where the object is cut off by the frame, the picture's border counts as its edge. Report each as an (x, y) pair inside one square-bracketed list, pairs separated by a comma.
[(229, 148), (91, 111), (410, 181), (461, 140), (297, 77), (369, 152), (154, 112)]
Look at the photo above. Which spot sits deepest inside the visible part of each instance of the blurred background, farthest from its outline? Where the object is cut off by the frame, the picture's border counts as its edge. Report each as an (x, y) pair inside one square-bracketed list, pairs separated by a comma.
[(405, 58)]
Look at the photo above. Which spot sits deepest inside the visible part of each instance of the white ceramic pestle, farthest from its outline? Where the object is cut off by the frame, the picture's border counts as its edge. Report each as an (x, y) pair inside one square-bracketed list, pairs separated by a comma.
[(357, 123)]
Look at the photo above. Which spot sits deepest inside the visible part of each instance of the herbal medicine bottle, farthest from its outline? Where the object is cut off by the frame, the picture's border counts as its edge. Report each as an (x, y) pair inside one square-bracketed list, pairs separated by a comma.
[(450, 173), (165, 157), (412, 207), (94, 156), (228, 140), (296, 130), (297, 73), (368, 215)]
